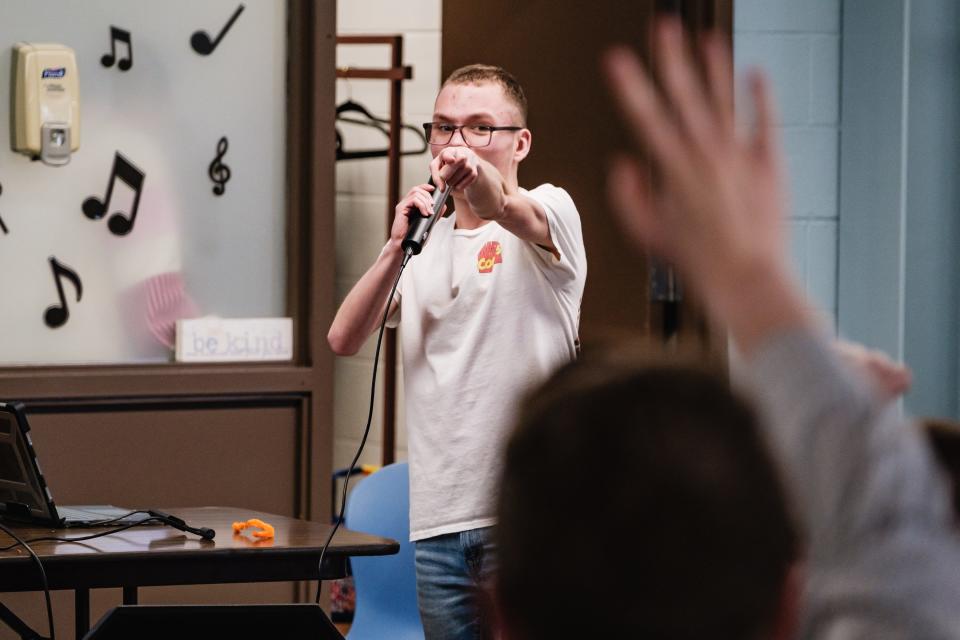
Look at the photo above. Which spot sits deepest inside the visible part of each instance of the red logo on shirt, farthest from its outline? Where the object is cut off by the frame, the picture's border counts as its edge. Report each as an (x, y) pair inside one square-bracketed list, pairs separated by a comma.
[(489, 256)]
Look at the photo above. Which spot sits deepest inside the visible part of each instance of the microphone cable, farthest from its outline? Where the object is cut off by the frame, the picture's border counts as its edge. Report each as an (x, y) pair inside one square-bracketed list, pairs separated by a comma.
[(20, 542), (416, 238), (366, 429), (43, 574)]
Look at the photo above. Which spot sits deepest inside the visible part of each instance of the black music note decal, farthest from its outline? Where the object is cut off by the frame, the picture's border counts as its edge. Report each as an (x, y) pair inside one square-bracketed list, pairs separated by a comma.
[(200, 40), (3, 226), (218, 171), (57, 315), (118, 35), (129, 174)]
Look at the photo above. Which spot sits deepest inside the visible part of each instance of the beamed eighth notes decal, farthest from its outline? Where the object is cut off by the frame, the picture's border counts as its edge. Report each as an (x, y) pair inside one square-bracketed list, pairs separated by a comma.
[(126, 172), (123, 36), (57, 315)]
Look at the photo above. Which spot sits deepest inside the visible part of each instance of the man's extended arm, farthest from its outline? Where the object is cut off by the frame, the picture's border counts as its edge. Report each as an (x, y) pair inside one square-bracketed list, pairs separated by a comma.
[(491, 197)]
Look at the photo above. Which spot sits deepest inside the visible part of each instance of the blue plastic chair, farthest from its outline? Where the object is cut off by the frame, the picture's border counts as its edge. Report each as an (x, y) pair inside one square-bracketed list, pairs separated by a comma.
[(385, 585)]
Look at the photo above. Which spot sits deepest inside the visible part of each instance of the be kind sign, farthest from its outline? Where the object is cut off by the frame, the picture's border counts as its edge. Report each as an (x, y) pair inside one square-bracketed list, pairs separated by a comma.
[(220, 340)]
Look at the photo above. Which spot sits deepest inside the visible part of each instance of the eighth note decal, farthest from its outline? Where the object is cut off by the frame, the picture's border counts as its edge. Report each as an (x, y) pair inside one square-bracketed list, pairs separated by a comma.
[(3, 226), (57, 315), (218, 171)]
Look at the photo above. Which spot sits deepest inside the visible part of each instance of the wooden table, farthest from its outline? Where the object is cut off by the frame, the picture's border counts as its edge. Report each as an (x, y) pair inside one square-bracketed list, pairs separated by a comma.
[(160, 555)]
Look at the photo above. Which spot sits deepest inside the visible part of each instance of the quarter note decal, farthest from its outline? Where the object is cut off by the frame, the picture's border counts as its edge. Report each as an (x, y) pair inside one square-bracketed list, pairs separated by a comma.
[(218, 171), (118, 35), (57, 315), (200, 40), (3, 226), (94, 208)]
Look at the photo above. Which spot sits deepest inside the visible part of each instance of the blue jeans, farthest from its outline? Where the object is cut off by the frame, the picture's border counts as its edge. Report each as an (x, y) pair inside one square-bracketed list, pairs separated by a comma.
[(453, 572)]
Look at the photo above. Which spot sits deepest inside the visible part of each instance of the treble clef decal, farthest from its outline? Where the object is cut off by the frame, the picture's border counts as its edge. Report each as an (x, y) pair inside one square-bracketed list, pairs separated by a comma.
[(218, 171)]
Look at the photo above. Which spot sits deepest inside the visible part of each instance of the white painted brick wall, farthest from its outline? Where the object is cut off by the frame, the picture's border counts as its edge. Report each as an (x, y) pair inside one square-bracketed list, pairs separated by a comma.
[(361, 204)]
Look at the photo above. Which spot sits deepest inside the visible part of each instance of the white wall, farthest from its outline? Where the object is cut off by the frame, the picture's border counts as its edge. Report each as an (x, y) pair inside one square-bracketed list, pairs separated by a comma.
[(165, 115), (362, 189)]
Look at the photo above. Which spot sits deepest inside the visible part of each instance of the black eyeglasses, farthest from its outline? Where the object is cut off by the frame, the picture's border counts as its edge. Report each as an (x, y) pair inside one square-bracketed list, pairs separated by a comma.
[(474, 135)]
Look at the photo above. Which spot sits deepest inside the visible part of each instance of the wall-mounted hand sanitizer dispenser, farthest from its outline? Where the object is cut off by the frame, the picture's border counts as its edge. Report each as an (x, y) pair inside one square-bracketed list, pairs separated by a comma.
[(45, 102)]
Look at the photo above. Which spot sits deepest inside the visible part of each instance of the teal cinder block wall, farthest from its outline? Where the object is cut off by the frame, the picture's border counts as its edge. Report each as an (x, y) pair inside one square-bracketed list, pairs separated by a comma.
[(869, 99), (798, 45)]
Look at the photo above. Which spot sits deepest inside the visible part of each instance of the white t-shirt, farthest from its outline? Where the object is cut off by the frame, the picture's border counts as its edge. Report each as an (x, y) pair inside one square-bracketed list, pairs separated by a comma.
[(484, 316)]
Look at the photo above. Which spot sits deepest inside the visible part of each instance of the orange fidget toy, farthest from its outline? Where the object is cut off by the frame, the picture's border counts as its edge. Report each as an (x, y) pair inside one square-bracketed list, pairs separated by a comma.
[(265, 531)]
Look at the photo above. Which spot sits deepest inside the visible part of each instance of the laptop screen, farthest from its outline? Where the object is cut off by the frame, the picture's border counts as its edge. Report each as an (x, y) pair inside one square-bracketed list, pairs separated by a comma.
[(9, 468), (22, 490)]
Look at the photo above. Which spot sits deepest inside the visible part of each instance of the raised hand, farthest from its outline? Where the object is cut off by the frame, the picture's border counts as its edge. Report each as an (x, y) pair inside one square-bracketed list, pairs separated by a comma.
[(890, 379), (715, 208)]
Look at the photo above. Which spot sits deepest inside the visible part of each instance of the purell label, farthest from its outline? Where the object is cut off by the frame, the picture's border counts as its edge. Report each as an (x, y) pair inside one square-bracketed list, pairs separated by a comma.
[(57, 72)]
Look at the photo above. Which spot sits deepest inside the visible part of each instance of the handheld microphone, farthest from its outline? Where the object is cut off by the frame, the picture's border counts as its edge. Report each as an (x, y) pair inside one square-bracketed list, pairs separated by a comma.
[(421, 225), (177, 523)]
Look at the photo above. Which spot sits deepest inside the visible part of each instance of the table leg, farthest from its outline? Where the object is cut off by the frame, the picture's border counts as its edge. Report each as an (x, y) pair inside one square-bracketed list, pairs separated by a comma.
[(81, 605), (129, 595)]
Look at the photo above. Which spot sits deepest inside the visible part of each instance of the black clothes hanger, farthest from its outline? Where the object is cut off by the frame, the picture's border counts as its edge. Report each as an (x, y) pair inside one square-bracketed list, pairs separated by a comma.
[(350, 105), (370, 120)]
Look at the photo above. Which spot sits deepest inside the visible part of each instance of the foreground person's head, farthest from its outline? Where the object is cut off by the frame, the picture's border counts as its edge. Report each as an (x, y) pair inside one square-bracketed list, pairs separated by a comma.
[(642, 503)]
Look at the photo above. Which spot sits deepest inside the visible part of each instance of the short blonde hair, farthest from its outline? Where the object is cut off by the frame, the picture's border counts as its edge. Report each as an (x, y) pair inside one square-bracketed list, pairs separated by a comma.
[(477, 73)]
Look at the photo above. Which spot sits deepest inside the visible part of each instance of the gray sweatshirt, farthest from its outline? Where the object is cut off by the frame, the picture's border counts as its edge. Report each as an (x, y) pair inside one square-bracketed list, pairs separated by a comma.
[(883, 554)]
